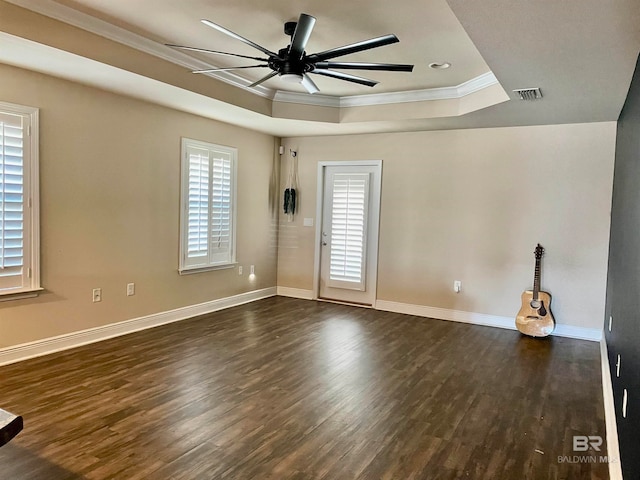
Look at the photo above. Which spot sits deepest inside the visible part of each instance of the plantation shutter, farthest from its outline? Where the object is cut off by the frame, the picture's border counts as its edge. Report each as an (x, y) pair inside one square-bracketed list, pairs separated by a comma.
[(220, 229), (209, 231), (12, 203), (350, 201), (198, 209)]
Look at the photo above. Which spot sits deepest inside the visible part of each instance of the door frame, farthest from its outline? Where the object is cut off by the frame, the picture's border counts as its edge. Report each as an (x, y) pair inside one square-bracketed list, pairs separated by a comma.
[(374, 215)]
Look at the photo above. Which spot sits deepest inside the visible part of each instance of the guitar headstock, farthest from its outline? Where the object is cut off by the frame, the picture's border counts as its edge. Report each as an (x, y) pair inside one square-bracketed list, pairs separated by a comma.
[(539, 251)]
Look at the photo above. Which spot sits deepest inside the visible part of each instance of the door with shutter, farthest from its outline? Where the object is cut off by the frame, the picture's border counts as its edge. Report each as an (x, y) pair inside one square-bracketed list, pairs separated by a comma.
[(349, 232)]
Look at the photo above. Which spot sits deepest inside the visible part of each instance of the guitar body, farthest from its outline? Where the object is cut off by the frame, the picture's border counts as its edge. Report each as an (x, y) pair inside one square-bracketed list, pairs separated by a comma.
[(535, 319)]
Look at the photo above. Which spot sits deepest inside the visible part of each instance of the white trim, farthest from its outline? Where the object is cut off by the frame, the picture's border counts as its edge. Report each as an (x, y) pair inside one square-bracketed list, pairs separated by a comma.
[(613, 447), (191, 271), (582, 333), (316, 99), (591, 334), (31, 208), (441, 93), (318, 236), (21, 295), (444, 93), (46, 346), (481, 82), (112, 32), (295, 293)]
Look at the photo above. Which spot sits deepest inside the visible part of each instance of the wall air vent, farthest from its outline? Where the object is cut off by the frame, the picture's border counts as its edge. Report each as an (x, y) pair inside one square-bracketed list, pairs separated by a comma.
[(529, 93)]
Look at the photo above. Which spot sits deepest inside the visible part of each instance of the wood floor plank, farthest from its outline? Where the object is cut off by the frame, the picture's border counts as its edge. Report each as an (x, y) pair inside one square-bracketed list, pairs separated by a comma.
[(293, 389)]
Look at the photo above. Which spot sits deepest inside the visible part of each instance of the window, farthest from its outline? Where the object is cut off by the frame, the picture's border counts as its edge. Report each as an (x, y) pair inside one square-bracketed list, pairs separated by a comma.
[(19, 227), (207, 223)]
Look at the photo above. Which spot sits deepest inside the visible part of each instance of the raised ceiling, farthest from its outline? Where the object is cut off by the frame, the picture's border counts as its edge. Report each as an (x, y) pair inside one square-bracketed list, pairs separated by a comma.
[(428, 32), (580, 52)]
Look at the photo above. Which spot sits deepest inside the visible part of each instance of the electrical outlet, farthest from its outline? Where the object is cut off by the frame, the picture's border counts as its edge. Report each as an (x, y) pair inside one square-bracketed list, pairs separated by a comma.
[(457, 286), (131, 289), (240, 270), (97, 295)]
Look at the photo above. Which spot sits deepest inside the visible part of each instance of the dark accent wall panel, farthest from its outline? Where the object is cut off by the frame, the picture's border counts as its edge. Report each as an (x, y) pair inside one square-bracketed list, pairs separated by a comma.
[(623, 284)]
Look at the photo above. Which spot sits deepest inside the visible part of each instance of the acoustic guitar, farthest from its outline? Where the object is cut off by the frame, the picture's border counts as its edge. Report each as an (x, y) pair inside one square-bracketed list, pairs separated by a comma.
[(535, 318)]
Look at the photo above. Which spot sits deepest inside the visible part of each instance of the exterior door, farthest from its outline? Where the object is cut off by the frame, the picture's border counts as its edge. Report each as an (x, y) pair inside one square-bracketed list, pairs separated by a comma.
[(349, 232)]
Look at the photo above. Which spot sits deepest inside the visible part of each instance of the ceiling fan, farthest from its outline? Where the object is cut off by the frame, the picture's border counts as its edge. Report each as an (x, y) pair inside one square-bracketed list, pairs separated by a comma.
[(293, 64)]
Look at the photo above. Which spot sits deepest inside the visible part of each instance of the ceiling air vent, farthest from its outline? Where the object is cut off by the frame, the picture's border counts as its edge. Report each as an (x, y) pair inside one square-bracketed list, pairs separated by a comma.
[(529, 93)]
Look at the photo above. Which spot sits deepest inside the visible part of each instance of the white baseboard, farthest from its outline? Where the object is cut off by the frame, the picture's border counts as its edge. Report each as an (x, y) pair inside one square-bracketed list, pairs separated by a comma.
[(71, 340), (295, 293), (561, 330), (613, 447), (582, 333)]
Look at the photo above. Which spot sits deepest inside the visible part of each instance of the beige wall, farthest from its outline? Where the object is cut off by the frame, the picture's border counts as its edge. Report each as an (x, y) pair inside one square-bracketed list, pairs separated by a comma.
[(110, 171), (464, 205), (471, 205)]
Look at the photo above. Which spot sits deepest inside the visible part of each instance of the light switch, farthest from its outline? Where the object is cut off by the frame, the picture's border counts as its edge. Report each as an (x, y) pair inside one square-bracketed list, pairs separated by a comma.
[(308, 222)]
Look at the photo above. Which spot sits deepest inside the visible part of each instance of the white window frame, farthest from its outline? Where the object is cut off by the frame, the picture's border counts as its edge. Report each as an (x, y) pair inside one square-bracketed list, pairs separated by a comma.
[(30, 285), (211, 262)]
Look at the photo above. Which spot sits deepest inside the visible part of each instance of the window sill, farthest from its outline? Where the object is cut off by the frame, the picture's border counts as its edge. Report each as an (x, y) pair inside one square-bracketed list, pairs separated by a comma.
[(32, 293), (189, 271)]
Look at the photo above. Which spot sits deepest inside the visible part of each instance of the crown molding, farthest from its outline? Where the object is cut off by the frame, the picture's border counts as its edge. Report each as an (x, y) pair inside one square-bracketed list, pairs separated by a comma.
[(94, 25), (306, 99), (476, 84), (444, 93), (104, 29)]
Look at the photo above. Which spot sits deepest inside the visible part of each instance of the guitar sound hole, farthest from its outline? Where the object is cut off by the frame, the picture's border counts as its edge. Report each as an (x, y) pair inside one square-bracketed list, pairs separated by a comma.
[(535, 304)]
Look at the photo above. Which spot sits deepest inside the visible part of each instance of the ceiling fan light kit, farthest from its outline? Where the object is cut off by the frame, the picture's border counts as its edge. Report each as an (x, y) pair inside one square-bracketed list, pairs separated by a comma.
[(291, 77), (293, 64)]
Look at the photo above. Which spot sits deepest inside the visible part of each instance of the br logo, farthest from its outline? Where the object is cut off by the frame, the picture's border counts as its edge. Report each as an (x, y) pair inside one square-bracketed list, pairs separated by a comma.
[(582, 443)]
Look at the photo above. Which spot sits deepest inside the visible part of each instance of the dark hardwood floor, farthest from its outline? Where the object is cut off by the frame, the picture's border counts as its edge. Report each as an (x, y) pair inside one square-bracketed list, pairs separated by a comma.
[(293, 389)]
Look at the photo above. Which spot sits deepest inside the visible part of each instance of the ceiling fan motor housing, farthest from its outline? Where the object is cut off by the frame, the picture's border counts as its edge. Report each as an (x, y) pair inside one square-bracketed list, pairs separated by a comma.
[(285, 64), (290, 28)]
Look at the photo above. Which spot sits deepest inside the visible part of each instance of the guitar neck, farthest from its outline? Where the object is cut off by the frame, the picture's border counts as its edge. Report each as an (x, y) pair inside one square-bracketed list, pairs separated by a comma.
[(536, 280)]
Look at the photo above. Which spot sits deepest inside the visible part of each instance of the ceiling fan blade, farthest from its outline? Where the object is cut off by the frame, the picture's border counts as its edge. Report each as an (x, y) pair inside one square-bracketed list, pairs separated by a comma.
[(308, 84), (354, 47), (220, 28), (224, 69), (390, 67), (263, 79), (204, 50), (301, 36), (345, 76)]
